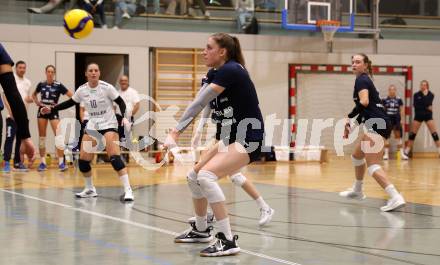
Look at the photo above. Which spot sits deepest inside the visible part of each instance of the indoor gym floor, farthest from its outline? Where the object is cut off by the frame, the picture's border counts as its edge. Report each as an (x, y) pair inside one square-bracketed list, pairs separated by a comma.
[(42, 222)]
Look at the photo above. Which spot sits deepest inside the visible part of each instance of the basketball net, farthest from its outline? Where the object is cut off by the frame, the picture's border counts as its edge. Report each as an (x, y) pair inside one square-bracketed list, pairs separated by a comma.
[(328, 28)]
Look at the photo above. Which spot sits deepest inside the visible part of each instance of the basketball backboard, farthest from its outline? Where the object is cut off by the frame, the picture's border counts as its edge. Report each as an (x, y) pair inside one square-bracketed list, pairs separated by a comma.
[(303, 14)]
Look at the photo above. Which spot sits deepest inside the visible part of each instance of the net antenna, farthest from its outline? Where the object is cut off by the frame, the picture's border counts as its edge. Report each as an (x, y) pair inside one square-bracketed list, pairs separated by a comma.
[(328, 29)]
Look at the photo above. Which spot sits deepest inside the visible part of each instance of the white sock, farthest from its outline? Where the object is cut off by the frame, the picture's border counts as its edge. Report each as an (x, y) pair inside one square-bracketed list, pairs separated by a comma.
[(407, 149), (60, 160), (224, 227), (125, 181), (357, 186), (391, 190), (261, 203), (43, 159), (89, 183), (201, 223), (386, 151)]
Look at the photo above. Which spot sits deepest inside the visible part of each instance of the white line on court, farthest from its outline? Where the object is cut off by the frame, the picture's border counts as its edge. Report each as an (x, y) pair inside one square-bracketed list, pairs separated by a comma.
[(149, 227)]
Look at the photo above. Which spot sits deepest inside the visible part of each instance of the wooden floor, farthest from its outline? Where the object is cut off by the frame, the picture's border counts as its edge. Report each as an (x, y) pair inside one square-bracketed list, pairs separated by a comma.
[(43, 223)]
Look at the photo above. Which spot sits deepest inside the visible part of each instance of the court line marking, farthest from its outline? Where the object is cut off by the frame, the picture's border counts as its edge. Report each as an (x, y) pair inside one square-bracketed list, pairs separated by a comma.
[(136, 224)]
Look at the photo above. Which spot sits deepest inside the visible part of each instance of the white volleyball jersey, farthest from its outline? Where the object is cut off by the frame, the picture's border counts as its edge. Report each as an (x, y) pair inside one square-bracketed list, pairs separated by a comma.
[(98, 102)]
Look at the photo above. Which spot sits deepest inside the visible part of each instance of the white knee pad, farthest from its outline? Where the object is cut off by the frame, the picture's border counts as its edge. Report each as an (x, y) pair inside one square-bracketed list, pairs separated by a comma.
[(210, 187), (42, 142), (194, 187), (373, 168), (357, 162), (238, 179)]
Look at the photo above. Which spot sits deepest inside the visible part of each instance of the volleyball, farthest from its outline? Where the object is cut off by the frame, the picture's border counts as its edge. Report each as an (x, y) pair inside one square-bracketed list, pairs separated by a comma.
[(78, 23)]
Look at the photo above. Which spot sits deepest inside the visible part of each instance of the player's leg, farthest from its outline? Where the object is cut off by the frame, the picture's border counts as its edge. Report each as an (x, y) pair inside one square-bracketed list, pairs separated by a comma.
[(84, 166), (415, 126), (42, 127), (358, 161), (374, 169), (433, 130), (60, 152), (114, 153)]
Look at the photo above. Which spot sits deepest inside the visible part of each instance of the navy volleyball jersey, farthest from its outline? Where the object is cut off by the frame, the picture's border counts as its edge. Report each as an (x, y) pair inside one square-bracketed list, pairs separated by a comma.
[(422, 102), (392, 105), (50, 93), (375, 108), (237, 102)]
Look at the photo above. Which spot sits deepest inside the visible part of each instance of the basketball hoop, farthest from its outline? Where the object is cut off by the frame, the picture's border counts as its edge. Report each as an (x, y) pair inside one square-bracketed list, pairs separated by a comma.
[(328, 28)]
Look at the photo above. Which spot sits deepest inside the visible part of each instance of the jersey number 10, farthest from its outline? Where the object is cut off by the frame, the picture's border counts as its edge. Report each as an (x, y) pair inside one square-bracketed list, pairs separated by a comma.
[(93, 104)]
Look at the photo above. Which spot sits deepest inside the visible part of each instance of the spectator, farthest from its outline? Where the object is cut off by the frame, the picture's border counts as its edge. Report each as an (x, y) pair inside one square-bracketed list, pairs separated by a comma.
[(24, 87), (50, 6), (96, 7), (202, 6), (171, 9), (131, 99), (245, 13)]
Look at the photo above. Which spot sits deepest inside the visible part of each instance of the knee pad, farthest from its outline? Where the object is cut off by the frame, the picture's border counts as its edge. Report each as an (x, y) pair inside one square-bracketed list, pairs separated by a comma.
[(412, 136), (117, 162), (238, 179), (210, 188), (373, 168), (435, 136), (194, 187), (42, 142), (357, 162), (84, 166)]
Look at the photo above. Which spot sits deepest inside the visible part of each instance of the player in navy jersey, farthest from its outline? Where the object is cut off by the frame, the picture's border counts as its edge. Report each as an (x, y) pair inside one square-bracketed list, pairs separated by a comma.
[(240, 180), (240, 132), (394, 109), (50, 92), (370, 111), (422, 102), (7, 81)]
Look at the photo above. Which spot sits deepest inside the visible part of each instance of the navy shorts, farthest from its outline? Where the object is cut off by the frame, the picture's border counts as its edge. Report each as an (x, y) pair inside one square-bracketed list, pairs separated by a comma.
[(4, 56), (421, 117), (53, 115), (395, 122)]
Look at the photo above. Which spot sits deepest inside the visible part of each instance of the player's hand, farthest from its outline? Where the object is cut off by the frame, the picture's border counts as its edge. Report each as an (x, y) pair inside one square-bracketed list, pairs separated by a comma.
[(171, 140), (347, 130), (126, 123), (46, 110), (28, 148)]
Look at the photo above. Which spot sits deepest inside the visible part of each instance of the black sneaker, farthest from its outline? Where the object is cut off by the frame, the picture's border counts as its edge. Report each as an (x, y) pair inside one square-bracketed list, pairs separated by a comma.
[(192, 235), (221, 247)]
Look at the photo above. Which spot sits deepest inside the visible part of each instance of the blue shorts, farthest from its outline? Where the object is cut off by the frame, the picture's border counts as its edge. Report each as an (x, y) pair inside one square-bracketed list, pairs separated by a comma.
[(4, 56)]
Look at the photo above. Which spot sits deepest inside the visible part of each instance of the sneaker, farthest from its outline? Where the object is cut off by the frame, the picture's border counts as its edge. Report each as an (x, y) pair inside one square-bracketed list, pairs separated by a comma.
[(403, 155), (210, 218), (351, 194), (20, 167), (265, 216), (35, 10), (126, 15), (127, 196), (104, 26), (394, 203), (87, 193), (221, 247), (192, 235), (42, 167), (115, 27), (385, 157), (62, 167), (207, 14), (7, 167)]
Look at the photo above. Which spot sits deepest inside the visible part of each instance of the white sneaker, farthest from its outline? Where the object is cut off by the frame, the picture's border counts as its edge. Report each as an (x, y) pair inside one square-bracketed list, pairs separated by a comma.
[(87, 193), (115, 27), (126, 15), (351, 194), (394, 203), (104, 26), (385, 157), (403, 155), (265, 216), (127, 196), (207, 14), (210, 218)]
